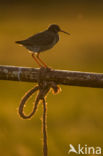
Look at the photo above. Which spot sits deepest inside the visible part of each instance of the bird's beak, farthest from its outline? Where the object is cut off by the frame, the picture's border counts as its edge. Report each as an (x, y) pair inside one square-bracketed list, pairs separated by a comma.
[(65, 32)]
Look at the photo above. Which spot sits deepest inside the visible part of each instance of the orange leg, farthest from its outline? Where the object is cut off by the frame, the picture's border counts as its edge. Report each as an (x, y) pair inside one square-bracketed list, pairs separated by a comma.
[(41, 60), (34, 57)]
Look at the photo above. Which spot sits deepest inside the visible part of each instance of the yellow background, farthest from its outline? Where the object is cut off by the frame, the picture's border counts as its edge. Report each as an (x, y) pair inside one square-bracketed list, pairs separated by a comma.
[(75, 116)]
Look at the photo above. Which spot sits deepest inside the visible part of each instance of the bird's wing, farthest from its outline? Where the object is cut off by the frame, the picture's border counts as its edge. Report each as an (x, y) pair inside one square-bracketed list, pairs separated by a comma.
[(43, 38)]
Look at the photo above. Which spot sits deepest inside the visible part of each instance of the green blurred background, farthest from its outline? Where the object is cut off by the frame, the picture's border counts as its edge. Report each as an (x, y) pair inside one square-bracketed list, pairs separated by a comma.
[(75, 116)]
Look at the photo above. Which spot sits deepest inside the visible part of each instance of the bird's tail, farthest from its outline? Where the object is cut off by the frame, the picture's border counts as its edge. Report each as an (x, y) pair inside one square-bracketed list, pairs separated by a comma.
[(19, 42)]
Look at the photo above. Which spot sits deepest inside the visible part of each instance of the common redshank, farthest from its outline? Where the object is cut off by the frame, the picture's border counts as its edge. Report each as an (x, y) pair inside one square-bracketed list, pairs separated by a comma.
[(41, 42)]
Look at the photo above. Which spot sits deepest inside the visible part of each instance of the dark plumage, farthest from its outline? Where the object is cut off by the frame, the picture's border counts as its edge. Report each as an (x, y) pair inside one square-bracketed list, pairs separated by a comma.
[(41, 41)]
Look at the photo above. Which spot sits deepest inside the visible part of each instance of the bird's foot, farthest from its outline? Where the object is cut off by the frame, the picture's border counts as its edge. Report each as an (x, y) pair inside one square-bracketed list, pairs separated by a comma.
[(45, 69)]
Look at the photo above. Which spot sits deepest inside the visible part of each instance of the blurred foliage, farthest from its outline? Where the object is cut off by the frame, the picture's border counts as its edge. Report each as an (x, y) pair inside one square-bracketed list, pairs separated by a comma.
[(76, 114)]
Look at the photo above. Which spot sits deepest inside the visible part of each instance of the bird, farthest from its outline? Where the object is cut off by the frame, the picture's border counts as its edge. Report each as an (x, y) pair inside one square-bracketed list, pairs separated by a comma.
[(41, 42)]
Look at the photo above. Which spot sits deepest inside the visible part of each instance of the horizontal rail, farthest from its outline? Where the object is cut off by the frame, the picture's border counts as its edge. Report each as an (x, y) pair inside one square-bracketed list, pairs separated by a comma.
[(64, 77)]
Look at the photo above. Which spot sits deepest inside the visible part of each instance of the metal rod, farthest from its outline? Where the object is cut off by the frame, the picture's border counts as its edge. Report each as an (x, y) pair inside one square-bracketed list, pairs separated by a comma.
[(64, 77)]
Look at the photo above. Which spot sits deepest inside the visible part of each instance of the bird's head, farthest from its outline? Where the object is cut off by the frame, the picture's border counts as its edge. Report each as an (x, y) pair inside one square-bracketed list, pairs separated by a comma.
[(55, 28)]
